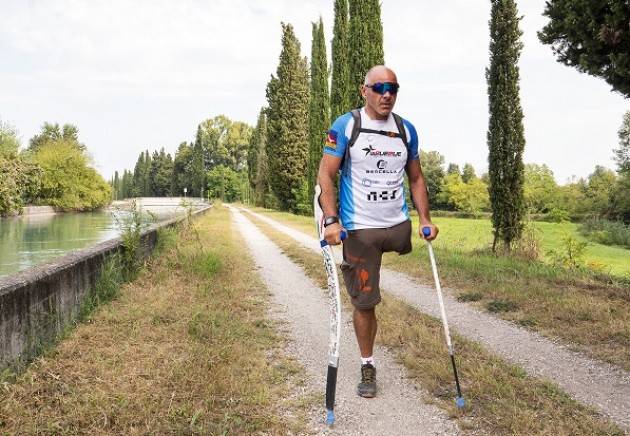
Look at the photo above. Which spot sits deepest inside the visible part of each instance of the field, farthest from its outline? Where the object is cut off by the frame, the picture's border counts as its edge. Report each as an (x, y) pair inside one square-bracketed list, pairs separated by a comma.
[(590, 312), (475, 234)]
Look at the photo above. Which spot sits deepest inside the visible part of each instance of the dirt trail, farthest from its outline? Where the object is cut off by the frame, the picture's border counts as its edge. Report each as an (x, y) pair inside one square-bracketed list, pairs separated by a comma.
[(595, 383), (399, 407)]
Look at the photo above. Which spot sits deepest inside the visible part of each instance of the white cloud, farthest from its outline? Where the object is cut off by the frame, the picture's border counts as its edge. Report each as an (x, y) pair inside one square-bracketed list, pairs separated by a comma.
[(142, 74)]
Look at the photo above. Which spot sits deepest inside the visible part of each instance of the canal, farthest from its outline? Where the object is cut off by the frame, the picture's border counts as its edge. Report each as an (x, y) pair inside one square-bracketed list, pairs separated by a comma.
[(30, 240)]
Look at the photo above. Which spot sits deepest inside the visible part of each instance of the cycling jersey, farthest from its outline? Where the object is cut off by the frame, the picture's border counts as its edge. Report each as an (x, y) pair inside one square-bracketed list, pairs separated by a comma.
[(371, 193)]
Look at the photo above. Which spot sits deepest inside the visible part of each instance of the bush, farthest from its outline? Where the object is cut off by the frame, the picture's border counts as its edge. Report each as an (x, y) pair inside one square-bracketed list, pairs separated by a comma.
[(606, 232)]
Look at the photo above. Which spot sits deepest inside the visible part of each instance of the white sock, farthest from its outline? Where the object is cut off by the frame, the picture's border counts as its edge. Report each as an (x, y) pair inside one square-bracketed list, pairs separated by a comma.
[(370, 360)]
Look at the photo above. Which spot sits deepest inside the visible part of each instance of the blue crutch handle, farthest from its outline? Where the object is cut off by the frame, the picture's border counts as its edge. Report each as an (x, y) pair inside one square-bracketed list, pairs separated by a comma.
[(343, 235)]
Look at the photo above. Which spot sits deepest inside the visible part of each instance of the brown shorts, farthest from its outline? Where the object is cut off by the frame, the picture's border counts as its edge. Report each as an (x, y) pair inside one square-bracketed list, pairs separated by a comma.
[(362, 253)]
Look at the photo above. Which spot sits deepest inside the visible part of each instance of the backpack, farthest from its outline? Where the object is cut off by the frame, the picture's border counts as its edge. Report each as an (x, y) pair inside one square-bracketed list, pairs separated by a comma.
[(357, 129)]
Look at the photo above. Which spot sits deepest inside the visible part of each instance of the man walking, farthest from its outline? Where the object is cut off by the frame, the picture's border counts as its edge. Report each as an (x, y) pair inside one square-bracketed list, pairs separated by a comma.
[(373, 148)]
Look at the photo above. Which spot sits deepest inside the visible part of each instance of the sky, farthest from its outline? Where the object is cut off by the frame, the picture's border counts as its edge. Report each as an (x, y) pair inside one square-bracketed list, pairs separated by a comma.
[(142, 74)]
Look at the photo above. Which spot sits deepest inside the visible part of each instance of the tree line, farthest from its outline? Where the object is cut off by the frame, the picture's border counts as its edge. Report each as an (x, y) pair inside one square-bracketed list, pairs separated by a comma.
[(213, 165), (55, 170), (277, 165)]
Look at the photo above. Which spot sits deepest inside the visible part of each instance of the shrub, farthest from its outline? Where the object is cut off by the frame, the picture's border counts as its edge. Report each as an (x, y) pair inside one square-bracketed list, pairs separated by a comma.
[(606, 232)]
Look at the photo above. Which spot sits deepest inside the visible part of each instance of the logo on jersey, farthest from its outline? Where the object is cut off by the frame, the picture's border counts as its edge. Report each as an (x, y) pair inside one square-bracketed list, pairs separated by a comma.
[(382, 195), (381, 165), (331, 139), (374, 152), (368, 182)]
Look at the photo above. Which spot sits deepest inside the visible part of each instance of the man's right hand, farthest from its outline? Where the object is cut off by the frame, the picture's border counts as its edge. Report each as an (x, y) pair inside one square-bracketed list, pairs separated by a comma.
[(332, 234)]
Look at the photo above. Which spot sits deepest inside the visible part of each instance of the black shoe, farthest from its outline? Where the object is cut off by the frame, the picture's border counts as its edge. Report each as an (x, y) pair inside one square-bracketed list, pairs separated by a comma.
[(367, 387)]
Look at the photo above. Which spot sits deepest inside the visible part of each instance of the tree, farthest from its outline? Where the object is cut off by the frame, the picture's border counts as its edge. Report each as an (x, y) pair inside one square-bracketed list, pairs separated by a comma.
[(53, 133), (261, 181), (506, 140), (622, 154), (182, 170), (340, 88), (161, 174), (9, 142), (601, 184), (471, 197), (127, 185), (224, 142), (540, 189), (468, 173), (116, 186), (591, 36), (620, 196), (453, 169), (198, 174), (319, 107), (287, 140), (365, 44), (68, 180), (224, 183), (433, 171)]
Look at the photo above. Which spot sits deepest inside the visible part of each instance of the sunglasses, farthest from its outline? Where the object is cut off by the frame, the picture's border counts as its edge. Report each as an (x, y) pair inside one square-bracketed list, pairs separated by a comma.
[(382, 88)]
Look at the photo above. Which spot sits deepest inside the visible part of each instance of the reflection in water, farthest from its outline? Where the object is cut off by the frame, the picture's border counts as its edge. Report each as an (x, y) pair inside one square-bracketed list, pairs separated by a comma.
[(33, 239)]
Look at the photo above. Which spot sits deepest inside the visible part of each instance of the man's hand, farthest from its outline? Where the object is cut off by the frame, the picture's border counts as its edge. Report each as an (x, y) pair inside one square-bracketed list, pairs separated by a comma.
[(434, 231), (332, 234)]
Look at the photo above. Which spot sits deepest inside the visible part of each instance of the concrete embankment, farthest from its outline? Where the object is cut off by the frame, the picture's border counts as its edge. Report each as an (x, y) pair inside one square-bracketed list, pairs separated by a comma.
[(36, 304)]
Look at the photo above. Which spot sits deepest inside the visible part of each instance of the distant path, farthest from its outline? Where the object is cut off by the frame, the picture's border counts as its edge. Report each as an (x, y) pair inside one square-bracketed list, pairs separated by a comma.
[(595, 383), (398, 408)]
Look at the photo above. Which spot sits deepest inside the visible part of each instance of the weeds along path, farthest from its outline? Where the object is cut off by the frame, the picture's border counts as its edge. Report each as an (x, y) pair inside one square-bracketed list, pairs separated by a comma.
[(186, 348), (594, 383), (399, 408)]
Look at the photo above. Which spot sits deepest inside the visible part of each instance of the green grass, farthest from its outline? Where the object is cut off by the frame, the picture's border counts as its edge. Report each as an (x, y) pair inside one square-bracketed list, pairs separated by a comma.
[(501, 398), (185, 348), (590, 312)]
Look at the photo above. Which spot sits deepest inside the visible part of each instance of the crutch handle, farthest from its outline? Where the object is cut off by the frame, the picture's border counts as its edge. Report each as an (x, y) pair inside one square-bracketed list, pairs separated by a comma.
[(342, 235), (426, 231)]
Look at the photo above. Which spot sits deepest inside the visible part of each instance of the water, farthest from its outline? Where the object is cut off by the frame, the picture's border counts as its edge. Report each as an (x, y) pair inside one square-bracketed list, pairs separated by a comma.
[(30, 240)]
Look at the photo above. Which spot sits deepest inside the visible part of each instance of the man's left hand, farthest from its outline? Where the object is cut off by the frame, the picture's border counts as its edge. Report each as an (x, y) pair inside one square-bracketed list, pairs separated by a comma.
[(434, 231)]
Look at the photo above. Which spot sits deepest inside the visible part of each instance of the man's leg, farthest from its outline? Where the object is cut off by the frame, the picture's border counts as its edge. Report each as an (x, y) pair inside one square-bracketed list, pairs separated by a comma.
[(365, 326)]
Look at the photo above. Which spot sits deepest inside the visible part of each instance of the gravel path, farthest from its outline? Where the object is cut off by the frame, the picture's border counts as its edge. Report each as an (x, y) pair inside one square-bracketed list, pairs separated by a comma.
[(595, 383), (398, 409)]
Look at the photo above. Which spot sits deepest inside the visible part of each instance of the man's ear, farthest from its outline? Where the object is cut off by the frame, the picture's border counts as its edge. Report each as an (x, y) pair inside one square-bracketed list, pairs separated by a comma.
[(362, 89)]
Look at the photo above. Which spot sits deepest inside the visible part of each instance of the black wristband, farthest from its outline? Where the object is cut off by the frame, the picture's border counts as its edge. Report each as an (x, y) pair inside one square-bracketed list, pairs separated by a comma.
[(330, 220)]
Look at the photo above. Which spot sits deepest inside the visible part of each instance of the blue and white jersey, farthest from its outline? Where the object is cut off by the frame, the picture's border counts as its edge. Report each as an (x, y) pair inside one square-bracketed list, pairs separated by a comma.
[(371, 193)]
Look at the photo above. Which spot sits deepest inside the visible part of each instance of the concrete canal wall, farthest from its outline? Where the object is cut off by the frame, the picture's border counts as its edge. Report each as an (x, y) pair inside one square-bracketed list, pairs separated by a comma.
[(36, 304)]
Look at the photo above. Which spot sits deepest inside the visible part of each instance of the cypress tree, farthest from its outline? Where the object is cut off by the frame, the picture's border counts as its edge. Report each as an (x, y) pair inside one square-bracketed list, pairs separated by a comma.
[(146, 175), (319, 116), (116, 186), (365, 44), (254, 148), (261, 182), (287, 141), (138, 177), (506, 140), (340, 88), (197, 163)]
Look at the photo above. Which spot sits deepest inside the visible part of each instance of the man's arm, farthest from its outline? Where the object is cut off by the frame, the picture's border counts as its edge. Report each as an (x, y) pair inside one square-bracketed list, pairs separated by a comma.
[(328, 168), (420, 198)]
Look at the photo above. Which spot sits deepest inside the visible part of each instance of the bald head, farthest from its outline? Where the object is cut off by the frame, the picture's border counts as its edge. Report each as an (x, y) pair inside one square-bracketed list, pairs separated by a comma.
[(380, 73)]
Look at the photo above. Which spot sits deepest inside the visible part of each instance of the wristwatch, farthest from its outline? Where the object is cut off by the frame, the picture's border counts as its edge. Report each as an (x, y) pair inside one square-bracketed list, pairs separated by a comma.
[(330, 220)]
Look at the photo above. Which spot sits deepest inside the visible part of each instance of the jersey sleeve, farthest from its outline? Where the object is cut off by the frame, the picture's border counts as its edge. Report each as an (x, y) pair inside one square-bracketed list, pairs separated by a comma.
[(336, 139), (413, 141)]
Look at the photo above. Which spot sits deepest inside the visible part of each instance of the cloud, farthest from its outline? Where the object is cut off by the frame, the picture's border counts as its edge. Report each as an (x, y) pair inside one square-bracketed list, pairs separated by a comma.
[(141, 74)]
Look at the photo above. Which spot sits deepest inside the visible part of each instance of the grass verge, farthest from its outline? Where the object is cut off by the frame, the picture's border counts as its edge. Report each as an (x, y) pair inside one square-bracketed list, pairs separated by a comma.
[(186, 348), (501, 398), (590, 314)]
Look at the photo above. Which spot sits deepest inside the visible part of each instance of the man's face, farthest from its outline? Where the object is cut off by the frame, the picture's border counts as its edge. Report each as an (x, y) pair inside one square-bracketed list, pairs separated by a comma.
[(380, 105)]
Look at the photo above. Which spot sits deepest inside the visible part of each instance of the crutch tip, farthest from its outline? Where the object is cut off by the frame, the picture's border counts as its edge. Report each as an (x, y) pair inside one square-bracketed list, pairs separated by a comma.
[(330, 417), (460, 402)]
